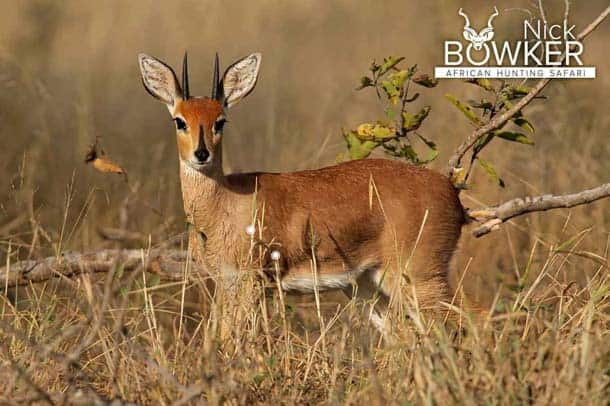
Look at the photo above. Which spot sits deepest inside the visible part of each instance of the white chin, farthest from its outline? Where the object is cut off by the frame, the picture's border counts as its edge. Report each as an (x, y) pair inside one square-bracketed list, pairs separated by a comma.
[(198, 166)]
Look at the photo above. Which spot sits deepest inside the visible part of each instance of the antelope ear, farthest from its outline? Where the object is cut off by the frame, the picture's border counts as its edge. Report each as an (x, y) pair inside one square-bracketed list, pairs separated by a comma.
[(240, 78), (159, 80)]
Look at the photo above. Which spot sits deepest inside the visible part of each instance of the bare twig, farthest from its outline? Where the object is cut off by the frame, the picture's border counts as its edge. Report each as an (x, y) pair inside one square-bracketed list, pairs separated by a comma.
[(493, 216), (498, 121), (542, 12), (545, 21), (168, 264), (566, 12)]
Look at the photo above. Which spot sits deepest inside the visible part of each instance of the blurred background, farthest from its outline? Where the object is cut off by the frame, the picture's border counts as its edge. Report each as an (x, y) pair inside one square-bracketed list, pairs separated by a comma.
[(68, 74)]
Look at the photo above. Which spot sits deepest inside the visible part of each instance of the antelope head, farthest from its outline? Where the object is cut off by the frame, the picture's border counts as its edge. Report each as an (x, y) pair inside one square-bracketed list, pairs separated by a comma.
[(486, 34), (199, 120)]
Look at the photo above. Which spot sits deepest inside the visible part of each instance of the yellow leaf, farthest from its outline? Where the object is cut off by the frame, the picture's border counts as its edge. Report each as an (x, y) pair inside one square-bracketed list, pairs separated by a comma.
[(105, 165), (101, 162), (365, 130)]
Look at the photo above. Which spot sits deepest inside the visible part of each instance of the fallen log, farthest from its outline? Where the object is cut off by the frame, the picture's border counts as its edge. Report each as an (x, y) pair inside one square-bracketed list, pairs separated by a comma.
[(168, 264)]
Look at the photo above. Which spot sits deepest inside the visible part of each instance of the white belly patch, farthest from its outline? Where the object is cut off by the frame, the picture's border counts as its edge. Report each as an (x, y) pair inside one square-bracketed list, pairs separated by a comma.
[(306, 283)]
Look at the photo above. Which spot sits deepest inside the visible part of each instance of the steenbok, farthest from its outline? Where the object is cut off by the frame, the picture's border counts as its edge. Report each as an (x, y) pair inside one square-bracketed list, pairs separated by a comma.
[(366, 224)]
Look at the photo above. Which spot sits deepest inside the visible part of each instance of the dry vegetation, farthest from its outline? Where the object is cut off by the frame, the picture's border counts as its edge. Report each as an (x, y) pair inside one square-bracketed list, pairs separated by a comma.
[(68, 74)]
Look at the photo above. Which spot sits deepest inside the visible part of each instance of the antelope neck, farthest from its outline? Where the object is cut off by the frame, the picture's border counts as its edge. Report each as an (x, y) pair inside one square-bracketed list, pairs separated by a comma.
[(204, 195)]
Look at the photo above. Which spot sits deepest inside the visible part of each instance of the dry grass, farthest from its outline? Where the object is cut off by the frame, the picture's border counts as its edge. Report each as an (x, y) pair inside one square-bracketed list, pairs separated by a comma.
[(68, 74), (125, 337)]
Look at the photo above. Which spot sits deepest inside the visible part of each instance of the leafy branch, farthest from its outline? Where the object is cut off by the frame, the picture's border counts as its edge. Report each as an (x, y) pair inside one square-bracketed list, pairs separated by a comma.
[(502, 104), (393, 134), (499, 97), (454, 168)]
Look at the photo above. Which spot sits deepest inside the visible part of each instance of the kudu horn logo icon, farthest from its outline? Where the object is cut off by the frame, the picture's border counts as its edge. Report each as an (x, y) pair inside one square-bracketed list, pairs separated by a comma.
[(486, 34)]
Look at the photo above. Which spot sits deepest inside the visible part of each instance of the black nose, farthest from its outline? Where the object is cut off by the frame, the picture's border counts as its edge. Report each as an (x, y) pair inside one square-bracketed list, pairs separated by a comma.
[(202, 154)]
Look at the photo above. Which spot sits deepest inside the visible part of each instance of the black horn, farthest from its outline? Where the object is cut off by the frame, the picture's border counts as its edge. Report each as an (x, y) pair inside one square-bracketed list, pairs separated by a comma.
[(216, 90), (186, 94)]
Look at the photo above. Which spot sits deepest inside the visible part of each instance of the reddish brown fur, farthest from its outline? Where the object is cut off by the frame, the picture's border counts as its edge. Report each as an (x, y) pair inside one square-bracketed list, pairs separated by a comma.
[(334, 204), (328, 210), (197, 112), (369, 223)]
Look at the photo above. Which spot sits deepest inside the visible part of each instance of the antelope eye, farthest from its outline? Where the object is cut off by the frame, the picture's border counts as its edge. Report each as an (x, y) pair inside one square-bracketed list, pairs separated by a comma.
[(219, 125), (180, 124)]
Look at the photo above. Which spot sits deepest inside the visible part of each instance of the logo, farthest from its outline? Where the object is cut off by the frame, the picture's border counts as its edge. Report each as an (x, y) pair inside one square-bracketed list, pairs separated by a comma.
[(545, 51), (478, 39)]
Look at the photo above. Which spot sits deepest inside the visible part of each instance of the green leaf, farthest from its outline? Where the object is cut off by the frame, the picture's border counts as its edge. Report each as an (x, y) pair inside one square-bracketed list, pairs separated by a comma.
[(394, 84), (514, 137), (356, 148), (391, 91), (398, 78), (412, 98), (484, 83), (482, 142), (505, 99), (389, 63), (351, 138), (429, 144), (382, 132), (365, 81), (514, 92), (408, 152), (425, 80), (521, 90), (365, 150), (491, 172), (411, 71), (481, 104), (374, 132), (464, 108), (433, 153), (413, 122), (390, 149), (523, 123)]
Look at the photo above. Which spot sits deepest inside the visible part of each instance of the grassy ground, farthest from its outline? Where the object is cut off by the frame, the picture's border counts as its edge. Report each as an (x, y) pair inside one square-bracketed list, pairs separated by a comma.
[(67, 78), (130, 337)]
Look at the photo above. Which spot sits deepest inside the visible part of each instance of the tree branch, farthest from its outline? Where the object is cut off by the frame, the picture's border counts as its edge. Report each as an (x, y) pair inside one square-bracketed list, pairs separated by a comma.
[(499, 121), (493, 216), (168, 264)]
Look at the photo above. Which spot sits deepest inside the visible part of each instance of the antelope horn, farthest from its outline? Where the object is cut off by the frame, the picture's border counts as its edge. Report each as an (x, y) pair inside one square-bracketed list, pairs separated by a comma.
[(216, 94), (185, 78), (494, 15), (465, 18)]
